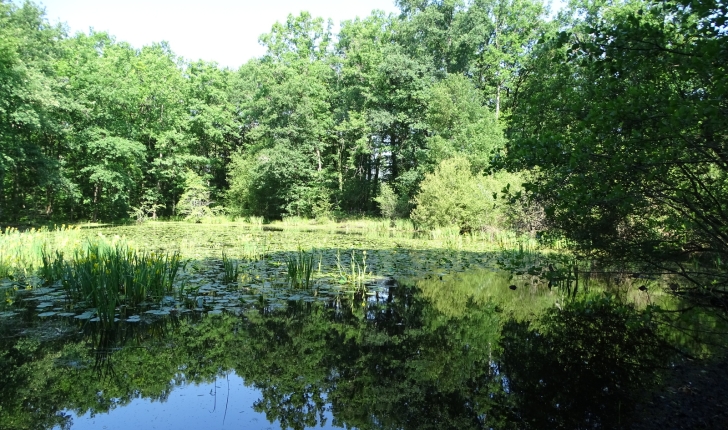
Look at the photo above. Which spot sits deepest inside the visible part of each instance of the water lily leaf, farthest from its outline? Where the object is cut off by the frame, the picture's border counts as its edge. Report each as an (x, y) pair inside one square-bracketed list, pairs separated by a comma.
[(47, 314), (86, 315)]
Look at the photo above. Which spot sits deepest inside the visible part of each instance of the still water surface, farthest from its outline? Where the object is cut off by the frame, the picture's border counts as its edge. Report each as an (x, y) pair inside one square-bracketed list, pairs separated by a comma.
[(435, 354)]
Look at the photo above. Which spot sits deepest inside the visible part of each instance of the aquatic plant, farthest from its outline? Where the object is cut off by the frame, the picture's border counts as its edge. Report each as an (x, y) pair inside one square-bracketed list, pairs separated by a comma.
[(231, 269), (356, 273), (21, 252), (104, 277), (299, 268)]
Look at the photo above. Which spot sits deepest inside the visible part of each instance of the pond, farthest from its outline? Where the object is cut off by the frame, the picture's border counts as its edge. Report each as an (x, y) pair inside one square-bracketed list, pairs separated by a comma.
[(431, 336)]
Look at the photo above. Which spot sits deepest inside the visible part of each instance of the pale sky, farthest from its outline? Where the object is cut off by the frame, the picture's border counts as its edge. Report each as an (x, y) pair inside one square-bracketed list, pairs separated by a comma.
[(224, 31)]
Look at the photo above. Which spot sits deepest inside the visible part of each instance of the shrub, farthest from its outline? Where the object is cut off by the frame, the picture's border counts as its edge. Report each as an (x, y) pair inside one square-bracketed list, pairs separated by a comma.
[(454, 196)]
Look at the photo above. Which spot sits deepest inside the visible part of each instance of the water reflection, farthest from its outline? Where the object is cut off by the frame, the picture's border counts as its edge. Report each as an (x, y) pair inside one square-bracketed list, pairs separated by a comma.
[(406, 358)]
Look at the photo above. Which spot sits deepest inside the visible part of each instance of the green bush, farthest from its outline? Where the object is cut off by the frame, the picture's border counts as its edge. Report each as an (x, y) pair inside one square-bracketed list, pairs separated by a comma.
[(453, 196)]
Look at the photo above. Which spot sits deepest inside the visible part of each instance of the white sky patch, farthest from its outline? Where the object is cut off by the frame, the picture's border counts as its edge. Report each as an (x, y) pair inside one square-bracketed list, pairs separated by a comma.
[(224, 31)]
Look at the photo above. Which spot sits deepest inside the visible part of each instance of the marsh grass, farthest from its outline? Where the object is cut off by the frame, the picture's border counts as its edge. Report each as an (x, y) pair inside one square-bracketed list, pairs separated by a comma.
[(105, 276), (356, 272), (231, 269), (299, 267), (21, 252)]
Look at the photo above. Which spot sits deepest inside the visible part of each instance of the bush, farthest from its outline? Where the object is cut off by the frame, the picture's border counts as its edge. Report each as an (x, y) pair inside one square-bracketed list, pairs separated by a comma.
[(454, 196)]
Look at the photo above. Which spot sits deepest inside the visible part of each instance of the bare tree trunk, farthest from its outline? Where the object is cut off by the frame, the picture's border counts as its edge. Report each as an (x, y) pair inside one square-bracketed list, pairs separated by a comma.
[(96, 201)]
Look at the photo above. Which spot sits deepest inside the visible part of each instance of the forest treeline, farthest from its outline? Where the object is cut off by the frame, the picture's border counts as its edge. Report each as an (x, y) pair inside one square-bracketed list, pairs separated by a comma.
[(93, 127), (611, 117)]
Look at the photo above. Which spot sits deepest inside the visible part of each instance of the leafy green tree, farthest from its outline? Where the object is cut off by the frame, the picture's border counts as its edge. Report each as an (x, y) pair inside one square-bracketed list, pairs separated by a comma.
[(195, 202), (289, 115), (30, 135), (113, 170), (460, 125), (623, 123), (496, 38)]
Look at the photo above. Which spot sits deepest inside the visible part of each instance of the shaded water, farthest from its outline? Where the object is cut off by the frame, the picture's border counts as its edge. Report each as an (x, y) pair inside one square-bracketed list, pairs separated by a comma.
[(454, 348)]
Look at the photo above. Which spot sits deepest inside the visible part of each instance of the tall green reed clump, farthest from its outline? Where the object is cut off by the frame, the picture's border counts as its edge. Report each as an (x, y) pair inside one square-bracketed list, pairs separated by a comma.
[(104, 277), (231, 269), (300, 269)]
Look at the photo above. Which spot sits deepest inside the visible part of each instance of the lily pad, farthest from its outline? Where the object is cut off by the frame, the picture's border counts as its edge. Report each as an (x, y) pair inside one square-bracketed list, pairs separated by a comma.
[(86, 315), (47, 314)]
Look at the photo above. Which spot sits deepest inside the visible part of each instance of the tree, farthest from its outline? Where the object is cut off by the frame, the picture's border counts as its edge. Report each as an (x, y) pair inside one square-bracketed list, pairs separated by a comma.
[(112, 170), (623, 123), (460, 125), (29, 102), (496, 37), (195, 202)]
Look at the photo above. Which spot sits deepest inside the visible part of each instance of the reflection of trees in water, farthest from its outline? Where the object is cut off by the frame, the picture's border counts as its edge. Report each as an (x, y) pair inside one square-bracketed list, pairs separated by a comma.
[(582, 367), (388, 363), (393, 361)]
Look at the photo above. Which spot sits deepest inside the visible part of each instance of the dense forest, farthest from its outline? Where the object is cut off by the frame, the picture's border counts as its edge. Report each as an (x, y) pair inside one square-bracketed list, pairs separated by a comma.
[(606, 122)]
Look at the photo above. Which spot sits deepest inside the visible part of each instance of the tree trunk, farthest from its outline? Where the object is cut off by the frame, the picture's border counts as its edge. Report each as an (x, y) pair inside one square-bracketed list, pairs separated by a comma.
[(96, 201), (497, 100), (49, 199)]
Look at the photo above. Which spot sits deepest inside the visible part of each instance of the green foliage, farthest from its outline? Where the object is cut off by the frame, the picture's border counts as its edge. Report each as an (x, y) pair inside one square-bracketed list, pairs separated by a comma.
[(454, 196), (195, 202), (460, 124), (622, 123), (390, 204), (299, 269)]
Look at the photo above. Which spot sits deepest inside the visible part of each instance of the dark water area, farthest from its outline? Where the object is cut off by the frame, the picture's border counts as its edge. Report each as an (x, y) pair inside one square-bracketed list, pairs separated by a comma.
[(405, 358)]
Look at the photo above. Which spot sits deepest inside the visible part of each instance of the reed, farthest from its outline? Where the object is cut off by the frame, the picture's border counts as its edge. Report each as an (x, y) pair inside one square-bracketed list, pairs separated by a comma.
[(231, 269), (356, 272), (104, 276), (300, 269)]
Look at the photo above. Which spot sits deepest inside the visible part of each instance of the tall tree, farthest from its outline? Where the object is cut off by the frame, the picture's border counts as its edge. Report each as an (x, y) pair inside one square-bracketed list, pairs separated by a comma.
[(624, 124), (496, 37), (28, 104)]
